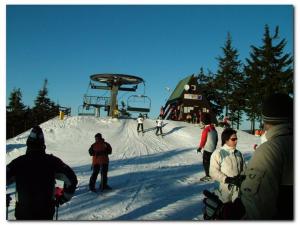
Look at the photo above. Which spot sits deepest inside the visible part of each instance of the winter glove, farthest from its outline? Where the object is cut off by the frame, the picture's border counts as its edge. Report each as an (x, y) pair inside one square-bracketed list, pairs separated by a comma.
[(213, 206), (8, 199), (237, 180), (60, 200), (59, 196), (199, 150)]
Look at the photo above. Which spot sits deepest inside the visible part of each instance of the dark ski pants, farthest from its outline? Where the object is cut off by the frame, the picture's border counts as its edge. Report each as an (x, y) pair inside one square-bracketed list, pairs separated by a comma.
[(158, 129), (36, 212), (140, 125), (96, 170), (206, 161)]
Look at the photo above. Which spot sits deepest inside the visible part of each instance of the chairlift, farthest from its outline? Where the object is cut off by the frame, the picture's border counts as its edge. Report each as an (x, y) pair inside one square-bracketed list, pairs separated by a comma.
[(91, 105), (86, 110), (138, 103)]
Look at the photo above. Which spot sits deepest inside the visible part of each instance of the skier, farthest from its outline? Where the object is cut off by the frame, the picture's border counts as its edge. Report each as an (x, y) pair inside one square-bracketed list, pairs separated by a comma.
[(161, 111), (194, 118), (100, 151), (226, 166), (208, 143), (34, 174), (159, 124), (268, 191), (140, 121)]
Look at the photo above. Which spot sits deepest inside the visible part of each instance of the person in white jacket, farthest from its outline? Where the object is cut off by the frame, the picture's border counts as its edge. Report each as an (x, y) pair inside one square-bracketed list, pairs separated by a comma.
[(226, 166), (159, 124), (140, 121)]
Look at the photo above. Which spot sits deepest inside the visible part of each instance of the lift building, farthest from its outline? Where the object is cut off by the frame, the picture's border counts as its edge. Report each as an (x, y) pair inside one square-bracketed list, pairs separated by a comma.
[(186, 99)]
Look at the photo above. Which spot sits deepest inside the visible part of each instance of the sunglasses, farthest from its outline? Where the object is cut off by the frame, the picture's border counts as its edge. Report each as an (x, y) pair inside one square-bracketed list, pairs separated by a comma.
[(233, 139)]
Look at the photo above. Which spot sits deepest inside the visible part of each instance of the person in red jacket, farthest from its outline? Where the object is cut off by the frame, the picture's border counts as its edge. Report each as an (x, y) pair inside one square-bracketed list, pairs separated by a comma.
[(208, 143), (100, 151)]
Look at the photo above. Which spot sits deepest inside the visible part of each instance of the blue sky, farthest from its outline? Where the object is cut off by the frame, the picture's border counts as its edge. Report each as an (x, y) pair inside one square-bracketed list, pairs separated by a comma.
[(161, 44)]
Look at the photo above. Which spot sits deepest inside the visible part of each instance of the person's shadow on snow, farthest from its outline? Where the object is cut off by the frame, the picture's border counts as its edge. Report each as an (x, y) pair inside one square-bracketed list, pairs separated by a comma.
[(173, 130)]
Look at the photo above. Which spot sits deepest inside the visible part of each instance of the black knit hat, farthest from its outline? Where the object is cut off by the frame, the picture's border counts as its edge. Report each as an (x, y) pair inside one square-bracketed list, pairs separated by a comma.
[(98, 135), (205, 118), (277, 108), (36, 139)]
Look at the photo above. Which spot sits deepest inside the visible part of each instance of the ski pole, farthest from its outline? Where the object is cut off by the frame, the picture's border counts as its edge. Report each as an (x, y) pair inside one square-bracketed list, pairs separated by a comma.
[(58, 194), (56, 216), (6, 212), (8, 199)]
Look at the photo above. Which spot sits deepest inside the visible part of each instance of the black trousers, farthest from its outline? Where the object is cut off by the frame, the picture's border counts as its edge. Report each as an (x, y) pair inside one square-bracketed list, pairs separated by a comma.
[(140, 125), (35, 212), (206, 161), (96, 170), (158, 129)]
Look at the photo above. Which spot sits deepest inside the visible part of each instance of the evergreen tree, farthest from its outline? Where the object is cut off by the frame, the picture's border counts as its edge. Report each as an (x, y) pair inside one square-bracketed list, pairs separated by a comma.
[(267, 70), (229, 82), (206, 85), (15, 114), (15, 101), (44, 108)]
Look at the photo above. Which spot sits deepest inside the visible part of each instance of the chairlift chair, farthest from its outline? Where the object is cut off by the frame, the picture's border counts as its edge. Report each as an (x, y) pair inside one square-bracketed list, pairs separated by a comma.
[(139, 103), (85, 110)]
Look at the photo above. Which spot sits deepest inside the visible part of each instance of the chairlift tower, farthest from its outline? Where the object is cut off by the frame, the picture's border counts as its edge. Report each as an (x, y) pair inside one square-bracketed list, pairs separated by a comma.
[(115, 83)]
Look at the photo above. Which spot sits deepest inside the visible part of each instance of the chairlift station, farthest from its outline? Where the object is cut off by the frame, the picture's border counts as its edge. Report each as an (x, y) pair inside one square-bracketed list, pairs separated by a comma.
[(114, 83)]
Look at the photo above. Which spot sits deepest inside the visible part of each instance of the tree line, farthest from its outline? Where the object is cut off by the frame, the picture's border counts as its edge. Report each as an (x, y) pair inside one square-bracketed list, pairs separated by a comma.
[(237, 88), (20, 118)]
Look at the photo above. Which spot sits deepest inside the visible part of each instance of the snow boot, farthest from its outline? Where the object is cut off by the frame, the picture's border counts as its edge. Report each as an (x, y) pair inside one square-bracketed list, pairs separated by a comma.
[(93, 189), (205, 178)]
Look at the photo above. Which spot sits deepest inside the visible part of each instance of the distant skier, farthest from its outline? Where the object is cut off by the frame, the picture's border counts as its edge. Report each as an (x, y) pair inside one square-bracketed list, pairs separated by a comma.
[(159, 124), (208, 143), (140, 121), (34, 174), (161, 111), (100, 151)]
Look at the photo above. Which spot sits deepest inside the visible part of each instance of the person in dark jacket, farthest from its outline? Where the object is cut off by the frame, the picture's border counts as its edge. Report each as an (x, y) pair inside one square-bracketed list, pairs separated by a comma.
[(100, 151), (34, 174), (267, 193)]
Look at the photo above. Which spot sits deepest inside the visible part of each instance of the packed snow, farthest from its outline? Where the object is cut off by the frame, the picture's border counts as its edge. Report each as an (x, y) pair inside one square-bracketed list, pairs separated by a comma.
[(153, 177)]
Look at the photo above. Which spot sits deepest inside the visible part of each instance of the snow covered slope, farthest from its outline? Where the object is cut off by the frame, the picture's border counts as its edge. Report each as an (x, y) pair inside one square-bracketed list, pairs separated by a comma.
[(153, 177)]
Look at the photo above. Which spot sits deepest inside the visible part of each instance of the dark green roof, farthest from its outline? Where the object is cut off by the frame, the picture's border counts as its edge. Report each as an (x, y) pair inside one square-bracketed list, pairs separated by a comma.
[(177, 93)]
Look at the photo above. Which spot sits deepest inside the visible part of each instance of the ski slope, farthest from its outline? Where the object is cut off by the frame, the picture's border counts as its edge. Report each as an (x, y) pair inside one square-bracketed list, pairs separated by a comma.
[(153, 177)]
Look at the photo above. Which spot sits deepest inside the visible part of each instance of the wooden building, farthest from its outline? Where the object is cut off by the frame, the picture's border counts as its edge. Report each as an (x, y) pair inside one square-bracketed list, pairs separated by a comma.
[(187, 101)]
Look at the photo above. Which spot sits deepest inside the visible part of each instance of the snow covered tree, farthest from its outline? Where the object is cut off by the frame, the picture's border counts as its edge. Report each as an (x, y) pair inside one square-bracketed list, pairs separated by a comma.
[(229, 80), (267, 70)]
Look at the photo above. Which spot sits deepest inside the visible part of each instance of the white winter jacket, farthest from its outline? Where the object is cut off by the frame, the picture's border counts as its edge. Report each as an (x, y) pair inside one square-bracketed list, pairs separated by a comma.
[(226, 162), (140, 120), (159, 123)]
